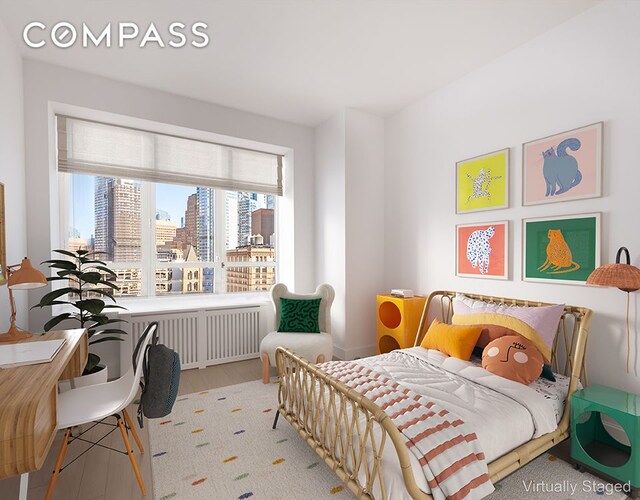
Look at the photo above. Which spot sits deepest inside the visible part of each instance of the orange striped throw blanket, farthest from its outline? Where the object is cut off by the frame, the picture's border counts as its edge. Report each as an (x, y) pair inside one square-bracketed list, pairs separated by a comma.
[(450, 456)]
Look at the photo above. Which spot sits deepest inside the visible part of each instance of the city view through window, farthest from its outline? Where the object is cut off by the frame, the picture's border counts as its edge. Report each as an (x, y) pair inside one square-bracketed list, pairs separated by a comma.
[(200, 240)]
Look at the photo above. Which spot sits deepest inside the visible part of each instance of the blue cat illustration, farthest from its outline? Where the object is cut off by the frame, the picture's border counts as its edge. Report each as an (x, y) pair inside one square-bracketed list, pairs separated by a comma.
[(561, 169)]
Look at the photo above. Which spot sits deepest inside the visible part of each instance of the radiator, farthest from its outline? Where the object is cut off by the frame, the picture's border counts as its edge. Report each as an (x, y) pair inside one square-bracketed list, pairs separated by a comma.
[(204, 337)]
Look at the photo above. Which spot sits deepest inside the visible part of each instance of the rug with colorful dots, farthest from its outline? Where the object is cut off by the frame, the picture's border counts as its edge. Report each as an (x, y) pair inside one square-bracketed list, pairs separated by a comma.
[(218, 444)]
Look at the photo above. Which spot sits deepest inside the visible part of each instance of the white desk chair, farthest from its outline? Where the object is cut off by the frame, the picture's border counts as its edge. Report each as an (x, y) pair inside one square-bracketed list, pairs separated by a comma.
[(95, 403), (315, 347)]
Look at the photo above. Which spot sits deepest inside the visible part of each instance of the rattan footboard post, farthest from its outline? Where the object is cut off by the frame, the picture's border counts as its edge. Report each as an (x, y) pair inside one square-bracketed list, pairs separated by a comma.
[(348, 445)]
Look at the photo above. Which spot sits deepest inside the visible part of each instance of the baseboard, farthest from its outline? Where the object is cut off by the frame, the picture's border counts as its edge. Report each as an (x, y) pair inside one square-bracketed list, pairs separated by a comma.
[(359, 352)]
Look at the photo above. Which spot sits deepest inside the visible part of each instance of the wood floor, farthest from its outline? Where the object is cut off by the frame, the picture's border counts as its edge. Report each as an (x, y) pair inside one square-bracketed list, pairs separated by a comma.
[(105, 475)]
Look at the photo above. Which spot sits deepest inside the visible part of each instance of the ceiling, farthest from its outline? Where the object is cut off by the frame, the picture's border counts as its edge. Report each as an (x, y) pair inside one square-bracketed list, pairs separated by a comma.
[(298, 60)]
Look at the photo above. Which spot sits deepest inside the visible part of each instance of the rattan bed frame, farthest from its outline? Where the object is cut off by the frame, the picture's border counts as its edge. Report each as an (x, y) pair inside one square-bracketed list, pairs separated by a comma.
[(328, 414)]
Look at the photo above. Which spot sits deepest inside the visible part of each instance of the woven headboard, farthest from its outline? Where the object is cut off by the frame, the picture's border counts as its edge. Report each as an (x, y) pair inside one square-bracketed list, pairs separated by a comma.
[(569, 352)]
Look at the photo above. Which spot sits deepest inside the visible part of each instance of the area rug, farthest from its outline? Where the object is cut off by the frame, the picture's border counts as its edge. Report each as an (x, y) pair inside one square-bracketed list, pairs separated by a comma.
[(218, 444)]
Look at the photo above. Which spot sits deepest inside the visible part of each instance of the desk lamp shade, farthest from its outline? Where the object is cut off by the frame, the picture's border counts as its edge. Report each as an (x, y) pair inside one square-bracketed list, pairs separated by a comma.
[(26, 277), (21, 276), (623, 276)]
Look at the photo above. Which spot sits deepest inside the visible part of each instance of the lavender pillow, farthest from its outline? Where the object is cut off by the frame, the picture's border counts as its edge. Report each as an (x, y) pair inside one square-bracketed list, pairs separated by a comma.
[(538, 324)]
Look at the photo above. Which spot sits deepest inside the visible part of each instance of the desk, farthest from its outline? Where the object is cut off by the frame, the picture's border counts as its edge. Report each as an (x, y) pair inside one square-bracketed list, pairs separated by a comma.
[(28, 399)]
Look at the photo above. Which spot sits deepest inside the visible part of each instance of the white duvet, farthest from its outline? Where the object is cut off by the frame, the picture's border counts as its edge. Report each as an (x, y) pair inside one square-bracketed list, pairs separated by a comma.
[(503, 414)]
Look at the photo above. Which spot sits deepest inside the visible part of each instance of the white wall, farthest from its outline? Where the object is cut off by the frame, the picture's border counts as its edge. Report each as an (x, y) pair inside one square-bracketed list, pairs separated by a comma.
[(330, 232), (581, 72), (45, 84), (12, 170), (350, 225)]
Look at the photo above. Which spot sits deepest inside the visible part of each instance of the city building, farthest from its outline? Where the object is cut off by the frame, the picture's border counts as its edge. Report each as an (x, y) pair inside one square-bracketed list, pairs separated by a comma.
[(165, 231), (117, 210), (262, 223), (162, 215), (77, 243), (251, 279), (205, 229), (191, 276), (247, 204), (231, 216)]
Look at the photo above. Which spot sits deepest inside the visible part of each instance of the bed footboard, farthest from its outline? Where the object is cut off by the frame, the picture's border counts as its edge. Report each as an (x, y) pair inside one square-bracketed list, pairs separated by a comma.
[(347, 430)]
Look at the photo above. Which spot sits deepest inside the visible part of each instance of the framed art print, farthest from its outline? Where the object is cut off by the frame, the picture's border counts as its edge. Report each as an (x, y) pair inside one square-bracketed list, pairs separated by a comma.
[(561, 249), (3, 241), (482, 250), (482, 183), (562, 167)]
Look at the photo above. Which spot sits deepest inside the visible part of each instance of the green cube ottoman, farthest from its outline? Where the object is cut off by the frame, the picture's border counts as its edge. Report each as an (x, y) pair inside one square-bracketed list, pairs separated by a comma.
[(591, 443)]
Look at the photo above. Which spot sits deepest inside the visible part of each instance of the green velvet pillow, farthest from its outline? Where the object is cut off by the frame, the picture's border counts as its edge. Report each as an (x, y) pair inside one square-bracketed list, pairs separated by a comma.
[(299, 315)]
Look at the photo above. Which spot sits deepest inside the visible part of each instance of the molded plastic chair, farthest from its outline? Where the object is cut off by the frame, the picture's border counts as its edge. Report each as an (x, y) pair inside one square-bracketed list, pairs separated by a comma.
[(95, 403), (316, 347)]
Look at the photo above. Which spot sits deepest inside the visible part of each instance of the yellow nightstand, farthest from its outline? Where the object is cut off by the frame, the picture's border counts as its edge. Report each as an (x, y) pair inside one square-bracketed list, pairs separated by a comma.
[(398, 321)]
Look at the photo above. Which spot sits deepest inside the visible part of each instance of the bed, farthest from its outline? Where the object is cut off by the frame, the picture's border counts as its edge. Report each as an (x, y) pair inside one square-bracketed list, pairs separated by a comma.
[(359, 441)]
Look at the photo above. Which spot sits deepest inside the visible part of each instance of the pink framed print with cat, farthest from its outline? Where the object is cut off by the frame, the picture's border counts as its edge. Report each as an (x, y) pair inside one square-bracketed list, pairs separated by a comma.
[(562, 167), (482, 250), (563, 249)]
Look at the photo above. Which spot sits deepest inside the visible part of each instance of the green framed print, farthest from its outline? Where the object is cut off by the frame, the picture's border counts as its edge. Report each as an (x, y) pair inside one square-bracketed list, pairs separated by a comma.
[(561, 249)]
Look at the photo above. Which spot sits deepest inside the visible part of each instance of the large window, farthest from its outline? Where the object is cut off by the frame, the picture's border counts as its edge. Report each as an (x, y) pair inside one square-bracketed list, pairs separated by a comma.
[(166, 238)]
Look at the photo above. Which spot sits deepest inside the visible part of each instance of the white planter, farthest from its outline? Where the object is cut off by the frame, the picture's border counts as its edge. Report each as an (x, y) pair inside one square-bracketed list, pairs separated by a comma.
[(99, 377)]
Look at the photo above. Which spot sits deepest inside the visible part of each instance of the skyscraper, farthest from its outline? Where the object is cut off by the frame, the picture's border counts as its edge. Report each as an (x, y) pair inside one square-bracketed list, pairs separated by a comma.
[(231, 216), (206, 250), (118, 211), (247, 203)]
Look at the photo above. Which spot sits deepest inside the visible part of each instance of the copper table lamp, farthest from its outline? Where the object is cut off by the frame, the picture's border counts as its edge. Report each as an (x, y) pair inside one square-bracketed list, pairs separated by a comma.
[(623, 276), (21, 276)]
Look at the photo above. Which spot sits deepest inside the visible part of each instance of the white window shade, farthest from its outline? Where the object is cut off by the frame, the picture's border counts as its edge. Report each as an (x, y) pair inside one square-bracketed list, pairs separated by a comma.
[(97, 148)]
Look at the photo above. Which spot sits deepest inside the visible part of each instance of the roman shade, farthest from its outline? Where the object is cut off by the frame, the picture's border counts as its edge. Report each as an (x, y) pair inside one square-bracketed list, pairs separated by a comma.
[(96, 148)]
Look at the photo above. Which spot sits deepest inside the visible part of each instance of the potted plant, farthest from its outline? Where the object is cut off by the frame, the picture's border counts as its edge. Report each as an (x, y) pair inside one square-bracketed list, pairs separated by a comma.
[(88, 281)]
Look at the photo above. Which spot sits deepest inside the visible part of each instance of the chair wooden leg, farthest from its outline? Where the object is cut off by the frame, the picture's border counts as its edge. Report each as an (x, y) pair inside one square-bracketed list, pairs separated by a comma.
[(131, 426), (320, 358), (59, 462), (132, 457), (265, 368)]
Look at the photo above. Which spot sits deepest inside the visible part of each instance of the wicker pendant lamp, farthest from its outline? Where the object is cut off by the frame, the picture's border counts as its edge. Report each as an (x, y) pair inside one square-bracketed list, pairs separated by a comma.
[(623, 276)]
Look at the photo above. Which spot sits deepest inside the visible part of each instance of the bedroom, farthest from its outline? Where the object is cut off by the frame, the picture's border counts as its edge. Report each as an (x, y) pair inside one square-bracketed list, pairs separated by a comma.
[(369, 118)]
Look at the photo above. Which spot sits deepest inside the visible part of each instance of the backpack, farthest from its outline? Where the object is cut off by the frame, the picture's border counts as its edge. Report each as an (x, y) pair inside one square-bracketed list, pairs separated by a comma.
[(161, 376)]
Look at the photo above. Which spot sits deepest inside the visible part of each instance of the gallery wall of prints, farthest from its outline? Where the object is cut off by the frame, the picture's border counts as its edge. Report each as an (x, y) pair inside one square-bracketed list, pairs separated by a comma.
[(557, 168)]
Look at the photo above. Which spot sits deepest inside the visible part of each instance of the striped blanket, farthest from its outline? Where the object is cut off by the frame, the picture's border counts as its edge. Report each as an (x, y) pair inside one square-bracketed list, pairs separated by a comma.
[(450, 456)]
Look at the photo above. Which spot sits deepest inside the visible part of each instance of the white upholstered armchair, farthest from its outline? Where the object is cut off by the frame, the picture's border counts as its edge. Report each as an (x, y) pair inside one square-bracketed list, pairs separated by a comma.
[(316, 347)]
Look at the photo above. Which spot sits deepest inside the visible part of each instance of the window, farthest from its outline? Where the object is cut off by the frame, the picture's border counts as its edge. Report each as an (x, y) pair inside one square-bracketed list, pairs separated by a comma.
[(164, 238)]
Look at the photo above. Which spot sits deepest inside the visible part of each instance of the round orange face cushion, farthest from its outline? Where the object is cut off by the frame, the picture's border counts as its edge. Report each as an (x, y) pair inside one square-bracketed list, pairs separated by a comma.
[(513, 357)]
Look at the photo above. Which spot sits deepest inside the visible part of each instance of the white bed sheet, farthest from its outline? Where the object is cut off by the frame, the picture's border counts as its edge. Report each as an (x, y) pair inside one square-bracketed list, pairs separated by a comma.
[(482, 408)]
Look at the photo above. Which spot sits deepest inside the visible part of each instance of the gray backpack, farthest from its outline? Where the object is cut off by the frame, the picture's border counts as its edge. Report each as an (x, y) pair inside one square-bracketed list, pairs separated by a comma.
[(161, 376)]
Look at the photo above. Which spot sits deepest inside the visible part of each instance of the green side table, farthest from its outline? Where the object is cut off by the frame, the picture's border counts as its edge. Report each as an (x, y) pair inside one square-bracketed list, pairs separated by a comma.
[(593, 446)]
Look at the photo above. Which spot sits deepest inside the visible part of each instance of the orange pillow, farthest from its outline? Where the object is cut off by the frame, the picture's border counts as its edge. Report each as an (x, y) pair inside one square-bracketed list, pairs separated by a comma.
[(513, 357), (454, 340)]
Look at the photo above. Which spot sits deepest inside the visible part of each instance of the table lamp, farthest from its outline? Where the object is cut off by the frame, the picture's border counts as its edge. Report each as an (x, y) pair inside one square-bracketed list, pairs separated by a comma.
[(21, 276), (623, 276)]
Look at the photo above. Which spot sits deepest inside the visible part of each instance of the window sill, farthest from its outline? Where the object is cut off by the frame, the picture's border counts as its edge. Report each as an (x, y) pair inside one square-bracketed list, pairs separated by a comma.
[(144, 305)]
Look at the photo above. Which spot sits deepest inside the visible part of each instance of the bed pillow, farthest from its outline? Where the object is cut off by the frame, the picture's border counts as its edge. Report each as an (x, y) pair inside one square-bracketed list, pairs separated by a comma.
[(455, 341), (513, 357), (299, 315), (538, 324)]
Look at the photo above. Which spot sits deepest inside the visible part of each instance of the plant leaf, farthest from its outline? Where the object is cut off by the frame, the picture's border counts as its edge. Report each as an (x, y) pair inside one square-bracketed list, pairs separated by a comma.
[(94, 306), (60, 264), (66, 252), (82, 252), (106, 270), (114, 306), (109, 284), (85, 260), (117, 331), (92, 277), (55, 320), (105, 339), (48, 298)]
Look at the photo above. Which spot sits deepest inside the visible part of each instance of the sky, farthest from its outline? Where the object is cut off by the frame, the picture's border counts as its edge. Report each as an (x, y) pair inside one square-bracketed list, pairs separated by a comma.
[(169, 197)]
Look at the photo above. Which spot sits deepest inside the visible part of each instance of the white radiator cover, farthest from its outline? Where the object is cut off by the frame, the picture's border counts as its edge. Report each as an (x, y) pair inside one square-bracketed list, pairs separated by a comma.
[(202, 337)]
